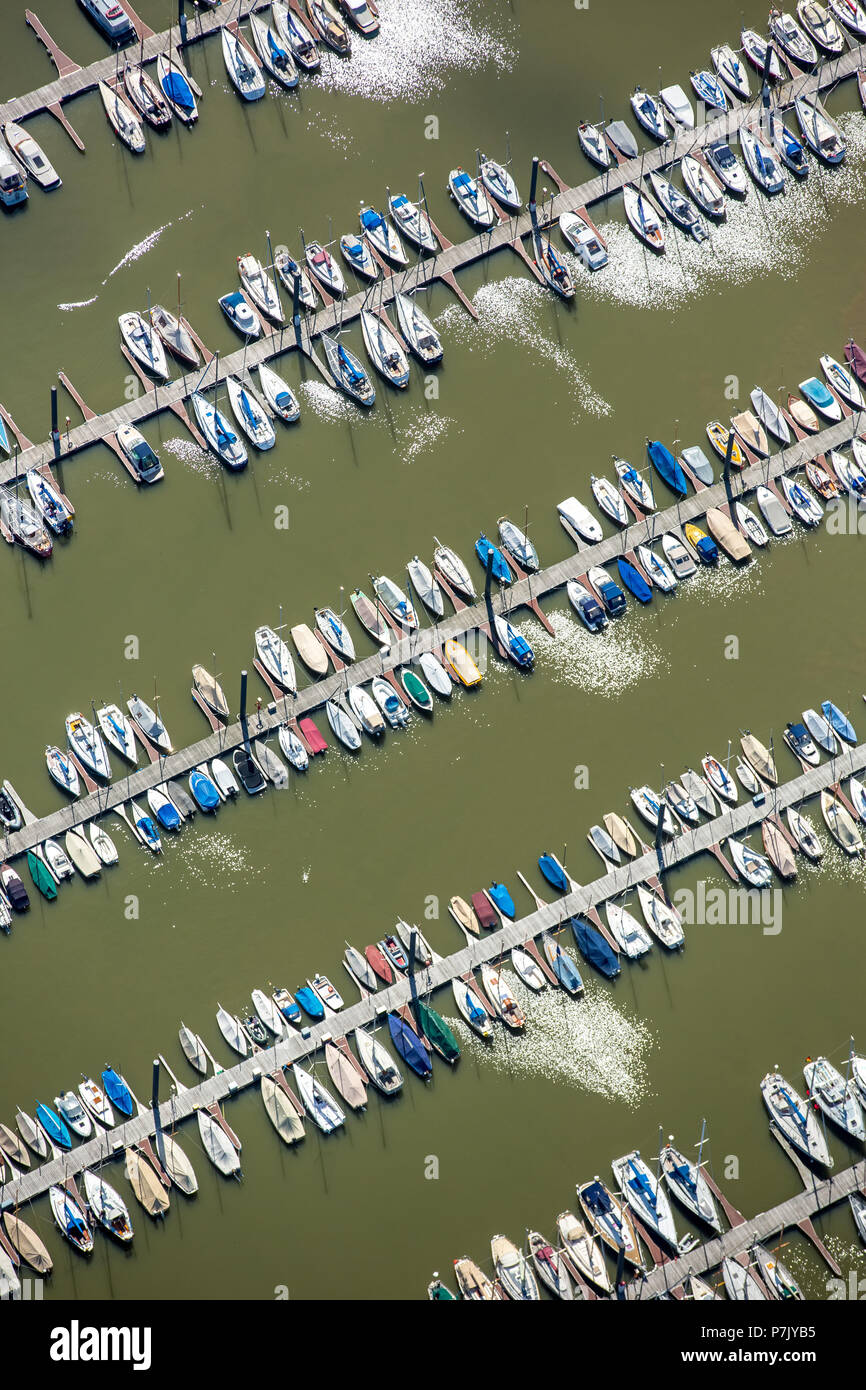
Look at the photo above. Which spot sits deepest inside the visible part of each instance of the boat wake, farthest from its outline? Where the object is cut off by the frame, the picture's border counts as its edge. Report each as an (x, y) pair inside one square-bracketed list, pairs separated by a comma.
[(142, 247), (420, 431), (605, 665), (591, 1043), (78, 303), (417, 47), (760, 235), (519, 310)]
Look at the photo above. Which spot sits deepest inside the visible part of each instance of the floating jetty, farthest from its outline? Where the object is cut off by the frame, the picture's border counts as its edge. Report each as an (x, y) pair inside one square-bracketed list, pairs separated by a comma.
[(548, 917), (524, 593)]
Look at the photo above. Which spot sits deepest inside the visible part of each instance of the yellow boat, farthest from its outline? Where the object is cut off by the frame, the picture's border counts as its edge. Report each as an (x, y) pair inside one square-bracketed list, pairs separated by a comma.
[(694, 534), (461, 663), (718, 437)]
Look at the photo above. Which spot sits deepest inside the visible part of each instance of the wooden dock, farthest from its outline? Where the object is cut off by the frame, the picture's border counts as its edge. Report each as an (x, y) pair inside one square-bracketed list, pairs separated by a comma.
[(294, 1046)]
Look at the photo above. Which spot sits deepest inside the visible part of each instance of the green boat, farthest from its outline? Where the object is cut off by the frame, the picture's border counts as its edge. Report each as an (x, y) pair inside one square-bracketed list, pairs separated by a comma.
[(416, 690), (437, 1030), (42, 876), (437, 1292)]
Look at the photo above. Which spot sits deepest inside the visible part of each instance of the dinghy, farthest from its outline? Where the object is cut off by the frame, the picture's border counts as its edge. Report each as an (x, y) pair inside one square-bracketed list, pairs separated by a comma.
[(382, 237), (117, 731), (426, 586), (642, 218), (529, 970), (149, 723), (731, 70), (662, 919), (270, 764), (274, 53), (232, 1030), (280, 1111), (218, 433), (604, 844), (310, 649), (795, 1119), (773, 512), (27, 1244), (347, 372), (770, 415), (122, 119), (278, 395), (145, 1183), (751, 432), (621, 833), (244, 72), (369, 617), (384, 349), (803, 415), (410, 1046), (176, 87), (143, 343), (416, 690), (704, 187), (211, 692), (413, 223), (349, 1083), (648, 113), (821, 731), (821, 134), (107, 1206), (70, 1219), (633, 580), (778, 850), (687, 1183), (803, 832), (392, 597), (721, 439), (562, 965), (276, 658), (470, 197), (593, 145), (667, 467), (57, 860), (619, 135), (726, 167), (821, 399), (839, 722)]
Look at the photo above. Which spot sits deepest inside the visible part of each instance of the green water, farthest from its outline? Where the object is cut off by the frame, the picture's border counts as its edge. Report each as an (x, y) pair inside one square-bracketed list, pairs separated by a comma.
[(532, 400)]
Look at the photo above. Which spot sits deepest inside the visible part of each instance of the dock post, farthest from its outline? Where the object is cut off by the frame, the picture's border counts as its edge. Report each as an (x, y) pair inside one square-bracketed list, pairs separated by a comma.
[(243, 713), (181, 21), (154, 1105), (532, 186), (55, 433)]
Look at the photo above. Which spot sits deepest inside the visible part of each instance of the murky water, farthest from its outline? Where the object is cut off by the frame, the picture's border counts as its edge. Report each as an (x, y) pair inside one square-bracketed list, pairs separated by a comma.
[(533, 398)]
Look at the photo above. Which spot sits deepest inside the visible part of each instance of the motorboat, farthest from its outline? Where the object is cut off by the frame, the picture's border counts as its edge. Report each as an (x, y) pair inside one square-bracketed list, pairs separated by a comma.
[(30, 155), (678, 105), (241, 314), (584, 240), (142, 459), (726, 167), (580, 519)]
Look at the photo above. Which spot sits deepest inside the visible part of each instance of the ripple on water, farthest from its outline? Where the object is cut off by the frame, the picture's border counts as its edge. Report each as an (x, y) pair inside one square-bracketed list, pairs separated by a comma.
[(418, 46), (213, 858), (518, 310), (329, 404), (420, 430), (599, 664), (761, 235), (592, 1044), (187, 452)]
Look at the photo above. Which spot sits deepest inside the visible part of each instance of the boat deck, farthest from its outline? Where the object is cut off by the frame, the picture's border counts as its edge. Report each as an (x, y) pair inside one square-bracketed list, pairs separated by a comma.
[(296, 1046)]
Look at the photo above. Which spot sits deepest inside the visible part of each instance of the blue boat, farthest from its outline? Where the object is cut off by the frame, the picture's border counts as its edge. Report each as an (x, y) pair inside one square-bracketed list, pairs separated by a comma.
[(562, 965), (409, 1046), (594, 948), (501, 569), (554, 872), (502, 899), (817, 394), (204, 791), (667, 467), (310, 1002), (117, 1090), (633, 581), (610, 594), (178, 91), (53, 1126), (838, 721), (168, 816), (4, 438), (514, 643)]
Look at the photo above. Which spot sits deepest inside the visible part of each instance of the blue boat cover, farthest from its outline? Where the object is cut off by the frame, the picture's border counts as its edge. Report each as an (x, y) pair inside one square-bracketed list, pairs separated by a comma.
[(462, 180), (815, 391), (204, 791), (521, 650), (667, 467), (594, 948), (501, 570), (613, 596), (371, 220), (708, 550), (117, 1090), (53, 1126), (502, 899), (168, 817), (633, 581), (176, 87), (400, 201), (566, 971), (553, 872), (597, 1198), (409, 1045), (838, 721), (310, 1002)]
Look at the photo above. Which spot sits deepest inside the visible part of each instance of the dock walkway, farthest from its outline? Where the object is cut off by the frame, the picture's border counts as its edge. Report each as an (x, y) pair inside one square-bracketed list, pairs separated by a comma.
[(296, 1046)]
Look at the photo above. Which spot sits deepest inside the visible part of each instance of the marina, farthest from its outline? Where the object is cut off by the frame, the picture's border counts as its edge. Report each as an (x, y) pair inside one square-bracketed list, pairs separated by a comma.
[(324, 720)]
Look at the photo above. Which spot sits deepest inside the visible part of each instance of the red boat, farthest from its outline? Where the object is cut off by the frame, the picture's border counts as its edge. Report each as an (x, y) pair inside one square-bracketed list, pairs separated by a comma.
[(378, 964), (856, 359), (484, 911), (311, 733)]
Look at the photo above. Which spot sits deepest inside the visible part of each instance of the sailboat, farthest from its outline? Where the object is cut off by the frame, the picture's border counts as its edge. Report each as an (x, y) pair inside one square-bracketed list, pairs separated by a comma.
[(242, 68), (276, 56)]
